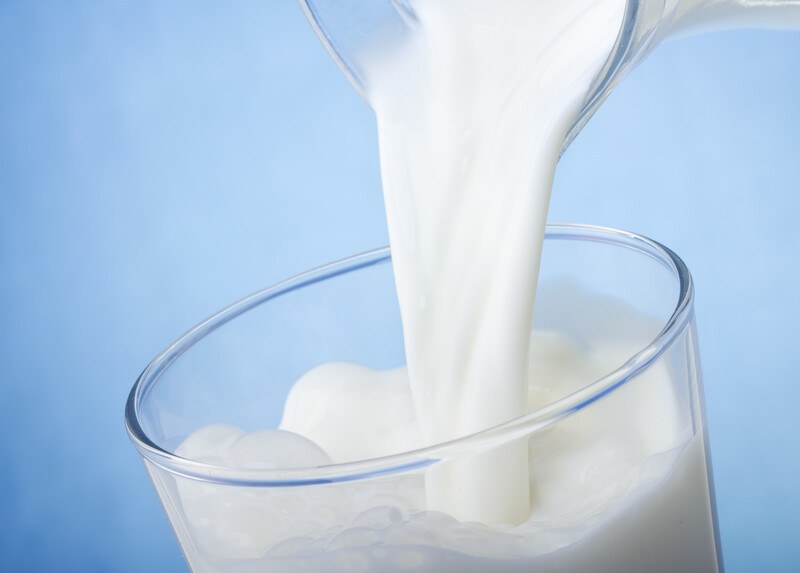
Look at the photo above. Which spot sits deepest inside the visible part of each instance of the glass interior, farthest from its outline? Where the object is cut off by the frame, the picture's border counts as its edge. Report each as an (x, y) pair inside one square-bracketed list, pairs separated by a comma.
[(643, 396)]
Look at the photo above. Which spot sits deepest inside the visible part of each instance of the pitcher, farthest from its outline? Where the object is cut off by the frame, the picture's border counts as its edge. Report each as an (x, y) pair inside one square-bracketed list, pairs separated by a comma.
[(348, 27)]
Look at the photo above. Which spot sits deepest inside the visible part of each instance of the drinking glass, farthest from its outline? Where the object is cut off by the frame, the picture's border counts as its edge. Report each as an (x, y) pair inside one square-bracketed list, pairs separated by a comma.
[(652, 511)]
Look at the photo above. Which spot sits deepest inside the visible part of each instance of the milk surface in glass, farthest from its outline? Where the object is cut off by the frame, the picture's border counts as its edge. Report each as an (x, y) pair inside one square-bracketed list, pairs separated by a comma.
[(473, 106), (620, 486)]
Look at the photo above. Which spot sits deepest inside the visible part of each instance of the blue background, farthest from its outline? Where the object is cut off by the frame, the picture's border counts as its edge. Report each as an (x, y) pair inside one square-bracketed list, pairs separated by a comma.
[(161, 159)]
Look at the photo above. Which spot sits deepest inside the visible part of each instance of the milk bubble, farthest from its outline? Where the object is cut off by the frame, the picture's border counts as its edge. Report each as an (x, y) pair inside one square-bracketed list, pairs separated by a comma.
[(346, 430), (209, 442), (274, 449)]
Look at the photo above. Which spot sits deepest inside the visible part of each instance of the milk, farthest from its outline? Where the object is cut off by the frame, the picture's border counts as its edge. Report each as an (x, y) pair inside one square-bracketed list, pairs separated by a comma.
[(616, 487), (473, 106), (472, 109), (643, 533)]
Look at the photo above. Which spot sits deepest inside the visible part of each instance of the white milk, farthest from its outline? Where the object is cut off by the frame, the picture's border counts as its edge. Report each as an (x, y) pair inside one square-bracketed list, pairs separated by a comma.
[(662, 526), (473, 108), (616, 488)]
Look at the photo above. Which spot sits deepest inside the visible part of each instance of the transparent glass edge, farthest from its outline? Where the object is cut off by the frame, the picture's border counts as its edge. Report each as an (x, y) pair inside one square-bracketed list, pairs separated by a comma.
[(415, 459)]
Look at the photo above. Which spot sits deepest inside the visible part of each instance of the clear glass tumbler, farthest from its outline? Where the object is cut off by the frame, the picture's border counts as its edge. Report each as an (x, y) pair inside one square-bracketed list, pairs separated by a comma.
[(620, 479)]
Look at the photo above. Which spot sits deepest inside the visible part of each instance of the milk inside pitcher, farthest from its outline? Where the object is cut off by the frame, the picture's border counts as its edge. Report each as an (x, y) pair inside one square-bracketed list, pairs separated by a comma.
[(351, 29)]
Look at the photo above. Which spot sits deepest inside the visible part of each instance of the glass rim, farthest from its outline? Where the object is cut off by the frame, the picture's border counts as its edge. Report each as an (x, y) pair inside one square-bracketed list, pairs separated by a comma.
[(423, 457)]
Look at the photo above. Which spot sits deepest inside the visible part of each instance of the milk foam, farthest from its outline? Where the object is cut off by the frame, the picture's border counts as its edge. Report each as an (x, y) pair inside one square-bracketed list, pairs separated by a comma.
[(620, 472)]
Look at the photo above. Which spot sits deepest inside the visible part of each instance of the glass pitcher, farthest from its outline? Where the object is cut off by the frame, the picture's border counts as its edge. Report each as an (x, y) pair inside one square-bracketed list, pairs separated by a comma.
[(348, 28)]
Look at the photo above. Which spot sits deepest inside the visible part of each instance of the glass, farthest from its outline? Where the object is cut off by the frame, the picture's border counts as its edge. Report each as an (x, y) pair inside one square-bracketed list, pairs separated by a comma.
[(238, 367)]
